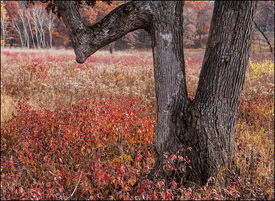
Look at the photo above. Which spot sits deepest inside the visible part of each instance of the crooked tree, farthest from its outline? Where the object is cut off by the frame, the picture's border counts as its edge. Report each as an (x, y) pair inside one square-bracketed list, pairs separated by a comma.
[(207, 123)]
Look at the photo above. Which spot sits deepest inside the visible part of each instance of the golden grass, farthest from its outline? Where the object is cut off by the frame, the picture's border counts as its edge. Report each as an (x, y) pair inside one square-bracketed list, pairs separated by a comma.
[(8, 108), (67, 82)]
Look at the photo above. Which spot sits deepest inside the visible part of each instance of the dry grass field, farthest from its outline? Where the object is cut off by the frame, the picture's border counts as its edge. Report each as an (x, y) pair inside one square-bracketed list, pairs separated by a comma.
[(71, 131)]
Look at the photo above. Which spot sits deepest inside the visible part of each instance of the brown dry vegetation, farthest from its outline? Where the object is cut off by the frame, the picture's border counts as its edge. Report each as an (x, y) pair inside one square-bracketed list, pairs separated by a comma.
[(67, 82)]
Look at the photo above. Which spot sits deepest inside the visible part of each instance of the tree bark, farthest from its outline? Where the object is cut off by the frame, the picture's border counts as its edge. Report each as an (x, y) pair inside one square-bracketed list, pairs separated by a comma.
[(17, 28), (86, 40), (49, 25), (211, 118), (26, 35), (169, 73), (34, 12), (28, 16), (41, 20), (207, 124)]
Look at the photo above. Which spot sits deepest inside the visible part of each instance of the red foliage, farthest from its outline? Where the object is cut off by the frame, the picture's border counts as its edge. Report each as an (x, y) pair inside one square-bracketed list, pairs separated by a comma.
[(109, 142), (56, 145)]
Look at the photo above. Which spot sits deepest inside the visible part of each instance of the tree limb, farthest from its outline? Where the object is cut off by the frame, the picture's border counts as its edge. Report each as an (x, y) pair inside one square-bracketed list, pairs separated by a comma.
[(270, 47), (86, 40)]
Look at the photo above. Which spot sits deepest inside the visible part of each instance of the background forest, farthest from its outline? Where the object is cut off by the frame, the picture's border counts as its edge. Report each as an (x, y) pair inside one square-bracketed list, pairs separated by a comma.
[(24, 25)]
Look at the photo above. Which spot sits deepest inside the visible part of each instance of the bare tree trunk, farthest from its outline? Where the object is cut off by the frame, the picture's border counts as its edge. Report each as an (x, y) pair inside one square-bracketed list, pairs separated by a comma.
[(17, 28), (207, 124), (49, 25), (26, 35), (34, 11), (3, 30), (41, 19), (30, 27)]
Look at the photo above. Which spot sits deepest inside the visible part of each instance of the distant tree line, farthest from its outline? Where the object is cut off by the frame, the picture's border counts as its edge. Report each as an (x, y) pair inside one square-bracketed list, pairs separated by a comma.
[(31, 26)]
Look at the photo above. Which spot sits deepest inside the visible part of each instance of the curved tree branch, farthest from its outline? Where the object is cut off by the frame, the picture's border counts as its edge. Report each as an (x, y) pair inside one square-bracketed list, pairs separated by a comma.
[(86, 40), (270, 47)]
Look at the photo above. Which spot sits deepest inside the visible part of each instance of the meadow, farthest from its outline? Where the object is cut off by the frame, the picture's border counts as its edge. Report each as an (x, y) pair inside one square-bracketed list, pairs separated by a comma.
[(71, 131)]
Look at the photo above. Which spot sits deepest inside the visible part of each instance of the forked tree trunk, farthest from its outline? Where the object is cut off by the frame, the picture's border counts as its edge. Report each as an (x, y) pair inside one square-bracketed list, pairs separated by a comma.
[(207, 123)]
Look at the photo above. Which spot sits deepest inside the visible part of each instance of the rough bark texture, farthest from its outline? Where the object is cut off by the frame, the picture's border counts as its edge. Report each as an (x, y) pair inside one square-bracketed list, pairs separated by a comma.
[(211, 118), (207, 124), (169, 72), (86, 40)]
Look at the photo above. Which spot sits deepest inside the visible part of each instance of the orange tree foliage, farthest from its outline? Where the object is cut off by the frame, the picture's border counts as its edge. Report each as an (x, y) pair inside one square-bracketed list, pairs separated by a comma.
[(4, 18), (3, 10), (12, 8), (98, 11), (203, 12), (94, 13)]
